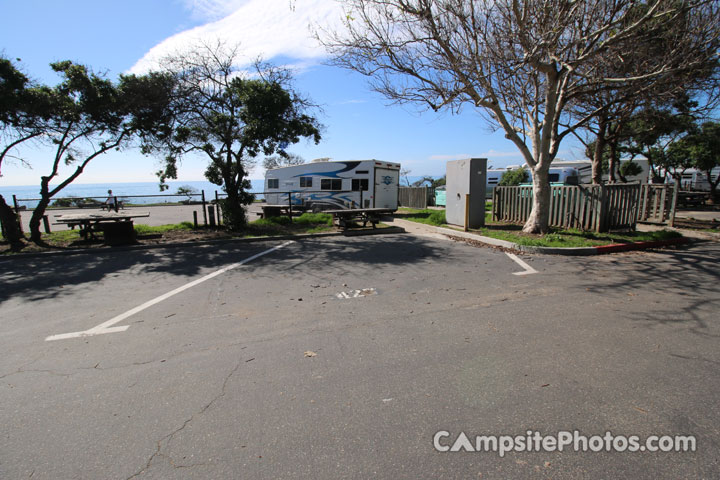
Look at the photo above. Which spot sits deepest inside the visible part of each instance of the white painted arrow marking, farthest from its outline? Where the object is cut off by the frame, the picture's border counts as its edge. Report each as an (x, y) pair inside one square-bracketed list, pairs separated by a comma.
[(528, 269), (107, 327)]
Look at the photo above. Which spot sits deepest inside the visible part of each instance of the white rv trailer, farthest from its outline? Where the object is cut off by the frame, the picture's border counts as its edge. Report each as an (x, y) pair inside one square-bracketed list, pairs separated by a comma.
[(584, 168), (693, 179), (562, 175), (335, 185)]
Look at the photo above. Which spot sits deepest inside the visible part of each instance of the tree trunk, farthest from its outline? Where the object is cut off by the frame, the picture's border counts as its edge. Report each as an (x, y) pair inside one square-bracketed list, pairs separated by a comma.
[(713, 185), (36, 220), (613, 165), (233, 211), (539, 219), (599, 150), (10, 225)]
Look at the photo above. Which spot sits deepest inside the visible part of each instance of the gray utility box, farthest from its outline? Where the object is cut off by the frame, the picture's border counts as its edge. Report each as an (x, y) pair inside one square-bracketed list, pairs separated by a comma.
[(466, 177)]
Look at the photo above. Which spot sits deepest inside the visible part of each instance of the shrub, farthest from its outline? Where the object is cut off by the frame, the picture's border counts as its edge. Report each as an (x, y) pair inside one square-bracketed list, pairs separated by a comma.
[(513, 177)]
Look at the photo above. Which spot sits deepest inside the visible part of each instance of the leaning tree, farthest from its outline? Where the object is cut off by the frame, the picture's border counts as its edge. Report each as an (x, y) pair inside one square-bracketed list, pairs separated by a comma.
[(230, 117), (90, 115), (520, 63)]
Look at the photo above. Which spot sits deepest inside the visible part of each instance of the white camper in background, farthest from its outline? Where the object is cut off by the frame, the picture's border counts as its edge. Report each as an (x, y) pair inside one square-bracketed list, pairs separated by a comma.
[(584, 168), (561, 175), (335, 185), (693, 179)]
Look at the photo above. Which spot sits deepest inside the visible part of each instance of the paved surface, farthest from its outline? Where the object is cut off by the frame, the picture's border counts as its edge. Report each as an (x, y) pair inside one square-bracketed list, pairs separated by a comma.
[(159, 215), (214, 382)]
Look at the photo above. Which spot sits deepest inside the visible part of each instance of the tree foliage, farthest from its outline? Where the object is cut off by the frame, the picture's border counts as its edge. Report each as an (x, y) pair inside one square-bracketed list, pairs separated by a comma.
[(90, 115), (514, 177), (700, 149), (82, 117), (522, 63), (280, 160), (230, 117), (653, 130)]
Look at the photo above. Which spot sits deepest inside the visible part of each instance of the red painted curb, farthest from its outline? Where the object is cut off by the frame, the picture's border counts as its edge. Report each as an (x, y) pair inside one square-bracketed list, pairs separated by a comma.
[(624, 247)]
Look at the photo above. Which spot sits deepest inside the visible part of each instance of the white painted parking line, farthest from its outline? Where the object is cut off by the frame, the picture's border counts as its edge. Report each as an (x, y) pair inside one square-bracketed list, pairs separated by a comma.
[(107, 327), (528, 269)]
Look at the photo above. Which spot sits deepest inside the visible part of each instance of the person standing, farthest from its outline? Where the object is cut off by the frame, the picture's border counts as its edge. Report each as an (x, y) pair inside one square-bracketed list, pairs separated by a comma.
[(111, 202)]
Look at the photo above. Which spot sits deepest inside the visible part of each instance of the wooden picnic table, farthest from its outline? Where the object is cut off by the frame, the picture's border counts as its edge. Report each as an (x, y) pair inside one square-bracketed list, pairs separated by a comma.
[(90, 222), (345, 216), (279, 210)]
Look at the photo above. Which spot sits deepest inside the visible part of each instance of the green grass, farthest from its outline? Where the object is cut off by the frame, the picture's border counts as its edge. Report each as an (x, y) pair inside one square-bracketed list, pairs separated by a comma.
[(557, 238), (142, 229), (427, 216), (572, 238)]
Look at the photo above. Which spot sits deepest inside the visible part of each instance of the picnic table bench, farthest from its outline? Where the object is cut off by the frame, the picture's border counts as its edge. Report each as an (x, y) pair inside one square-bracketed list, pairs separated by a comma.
[(116, 227), (345, 217), (692, 199), (278, 210)]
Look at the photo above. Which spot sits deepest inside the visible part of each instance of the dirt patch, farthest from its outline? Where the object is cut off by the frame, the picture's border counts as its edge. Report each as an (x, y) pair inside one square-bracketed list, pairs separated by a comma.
[(695, 224)]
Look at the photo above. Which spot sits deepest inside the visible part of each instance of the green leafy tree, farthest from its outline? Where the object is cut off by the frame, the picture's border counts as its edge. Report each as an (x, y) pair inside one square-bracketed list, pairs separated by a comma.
[(629, 169), (701, 149), (230, 117), (90, 115), (514, 177), (651, 132), (187, 190)]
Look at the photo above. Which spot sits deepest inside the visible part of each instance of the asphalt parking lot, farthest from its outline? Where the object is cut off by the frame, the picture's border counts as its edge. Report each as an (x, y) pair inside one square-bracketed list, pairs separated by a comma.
[(342, 358)]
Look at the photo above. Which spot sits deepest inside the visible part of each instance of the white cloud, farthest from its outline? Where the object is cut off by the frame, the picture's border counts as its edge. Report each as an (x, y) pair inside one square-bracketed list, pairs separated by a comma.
[(262, 28), (212, 10)]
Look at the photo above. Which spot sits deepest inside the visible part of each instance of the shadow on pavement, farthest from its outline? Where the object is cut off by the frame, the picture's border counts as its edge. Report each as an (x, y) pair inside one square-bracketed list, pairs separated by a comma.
[(41, 278)]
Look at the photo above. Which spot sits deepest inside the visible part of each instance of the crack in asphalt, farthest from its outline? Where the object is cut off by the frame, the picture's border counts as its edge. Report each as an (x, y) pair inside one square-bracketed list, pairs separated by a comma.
[(168, 438)]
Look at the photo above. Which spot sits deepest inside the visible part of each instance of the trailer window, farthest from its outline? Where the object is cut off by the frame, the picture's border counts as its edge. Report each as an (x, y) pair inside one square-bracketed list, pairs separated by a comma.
[(306, 181), (554, 177), (273, 183), (362, 172), (330, 184), (359, 184)]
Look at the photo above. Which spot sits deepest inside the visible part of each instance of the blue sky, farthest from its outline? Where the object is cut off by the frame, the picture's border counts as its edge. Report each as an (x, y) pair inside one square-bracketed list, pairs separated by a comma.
[(118, 37)]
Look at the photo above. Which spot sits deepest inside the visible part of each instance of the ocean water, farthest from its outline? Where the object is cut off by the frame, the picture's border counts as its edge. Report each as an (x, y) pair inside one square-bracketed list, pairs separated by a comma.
[(138, 192)]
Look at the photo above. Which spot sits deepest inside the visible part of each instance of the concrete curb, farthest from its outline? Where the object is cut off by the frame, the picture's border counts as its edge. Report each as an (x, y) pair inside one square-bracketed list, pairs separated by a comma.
[(568, 251), (125, 248)]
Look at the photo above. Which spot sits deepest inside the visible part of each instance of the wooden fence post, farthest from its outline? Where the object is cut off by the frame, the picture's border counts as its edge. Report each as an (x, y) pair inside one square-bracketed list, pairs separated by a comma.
[(673, 204), (217, 208), (204, 205), (495, 204)]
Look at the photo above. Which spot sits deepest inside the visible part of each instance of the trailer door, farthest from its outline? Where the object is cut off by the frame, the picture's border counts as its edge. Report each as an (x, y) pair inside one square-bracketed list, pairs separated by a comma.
[(386, 188)]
